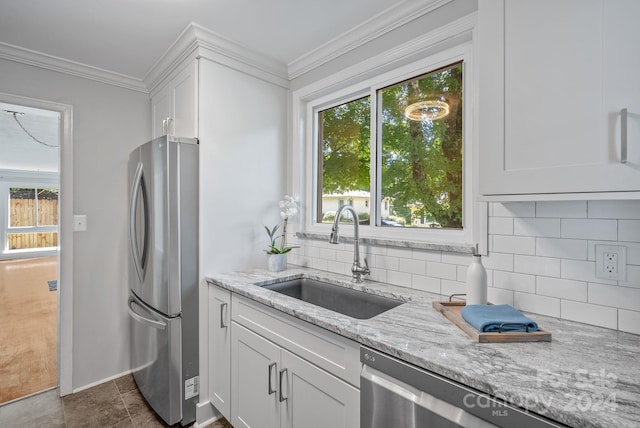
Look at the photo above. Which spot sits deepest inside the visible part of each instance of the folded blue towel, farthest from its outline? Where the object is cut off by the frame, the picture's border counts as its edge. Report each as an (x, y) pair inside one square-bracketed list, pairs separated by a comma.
[(495, 318)]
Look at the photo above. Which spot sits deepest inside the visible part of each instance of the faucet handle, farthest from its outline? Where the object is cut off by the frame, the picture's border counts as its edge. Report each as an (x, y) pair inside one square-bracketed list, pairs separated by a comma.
[(366, 270)]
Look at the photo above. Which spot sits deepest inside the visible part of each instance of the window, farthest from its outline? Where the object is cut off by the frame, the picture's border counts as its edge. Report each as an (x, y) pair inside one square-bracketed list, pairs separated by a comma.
[(413, 166), (33, 218)]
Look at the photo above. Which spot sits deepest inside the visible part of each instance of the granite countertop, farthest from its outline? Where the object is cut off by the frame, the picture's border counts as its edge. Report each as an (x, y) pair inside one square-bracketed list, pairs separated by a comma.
[(585, 377)]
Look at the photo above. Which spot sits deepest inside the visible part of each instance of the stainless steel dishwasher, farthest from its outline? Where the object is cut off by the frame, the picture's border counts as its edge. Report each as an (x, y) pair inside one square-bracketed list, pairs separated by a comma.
[(396, 394)]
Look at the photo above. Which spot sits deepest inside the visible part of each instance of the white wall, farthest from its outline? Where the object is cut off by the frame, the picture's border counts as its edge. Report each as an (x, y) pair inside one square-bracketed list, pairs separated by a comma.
[(108, 122)]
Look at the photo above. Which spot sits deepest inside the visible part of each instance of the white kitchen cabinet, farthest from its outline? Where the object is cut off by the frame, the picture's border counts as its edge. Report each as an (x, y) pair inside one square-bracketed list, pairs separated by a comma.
[(175, 106), (554, 76), (274, 388), (220, 349)]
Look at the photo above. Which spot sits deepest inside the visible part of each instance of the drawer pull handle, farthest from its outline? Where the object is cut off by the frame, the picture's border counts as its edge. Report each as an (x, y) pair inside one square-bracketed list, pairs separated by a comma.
[(623, 135), (223, 315), (271, 366), (282, 375)]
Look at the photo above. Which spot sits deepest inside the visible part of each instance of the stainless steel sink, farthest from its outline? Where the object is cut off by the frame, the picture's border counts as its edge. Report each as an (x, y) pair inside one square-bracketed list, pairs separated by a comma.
[(353, 303)]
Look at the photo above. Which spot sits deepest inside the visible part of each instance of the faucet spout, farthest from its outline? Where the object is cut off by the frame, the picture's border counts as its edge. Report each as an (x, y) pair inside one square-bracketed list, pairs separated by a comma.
[(357, 269)]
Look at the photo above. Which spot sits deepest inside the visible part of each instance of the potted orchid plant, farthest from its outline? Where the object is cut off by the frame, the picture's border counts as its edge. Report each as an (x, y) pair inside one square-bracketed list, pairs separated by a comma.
[(277, 251)]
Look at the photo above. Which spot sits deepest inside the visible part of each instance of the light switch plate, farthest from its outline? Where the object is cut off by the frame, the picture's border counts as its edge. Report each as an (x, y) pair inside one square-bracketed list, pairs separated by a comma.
[(79, 223), (611, 262)]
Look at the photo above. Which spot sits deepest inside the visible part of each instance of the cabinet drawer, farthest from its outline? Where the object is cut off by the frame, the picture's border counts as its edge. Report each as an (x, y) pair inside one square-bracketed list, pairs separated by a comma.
[(329, 351)]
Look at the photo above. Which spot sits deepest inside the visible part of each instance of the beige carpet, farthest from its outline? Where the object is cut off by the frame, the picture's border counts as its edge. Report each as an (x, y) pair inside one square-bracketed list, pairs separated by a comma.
[(28, 332)]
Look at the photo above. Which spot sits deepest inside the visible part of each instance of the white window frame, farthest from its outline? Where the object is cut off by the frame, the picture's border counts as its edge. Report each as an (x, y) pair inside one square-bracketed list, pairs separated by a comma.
[(356, 83)]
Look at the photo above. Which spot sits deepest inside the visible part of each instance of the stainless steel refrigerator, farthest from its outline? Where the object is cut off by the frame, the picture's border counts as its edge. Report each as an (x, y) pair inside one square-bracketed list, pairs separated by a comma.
[(163, 292)]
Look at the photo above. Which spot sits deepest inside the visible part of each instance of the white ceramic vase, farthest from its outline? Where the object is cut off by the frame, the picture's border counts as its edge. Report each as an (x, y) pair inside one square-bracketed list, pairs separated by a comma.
[(276, 262), (476, 282)]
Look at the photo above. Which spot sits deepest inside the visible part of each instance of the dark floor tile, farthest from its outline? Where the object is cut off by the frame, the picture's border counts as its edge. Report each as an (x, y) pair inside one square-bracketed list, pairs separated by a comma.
[(100, 406), (42, 410), (126, 383), (141, 413)]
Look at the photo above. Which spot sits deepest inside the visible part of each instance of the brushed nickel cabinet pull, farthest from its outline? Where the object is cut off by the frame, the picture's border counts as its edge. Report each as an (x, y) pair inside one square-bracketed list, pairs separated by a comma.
[(271, 366), (623, 135), (282, 375), (223, 315)]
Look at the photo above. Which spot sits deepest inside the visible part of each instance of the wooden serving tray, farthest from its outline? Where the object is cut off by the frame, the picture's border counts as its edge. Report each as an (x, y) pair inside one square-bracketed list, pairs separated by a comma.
[(451, 311)]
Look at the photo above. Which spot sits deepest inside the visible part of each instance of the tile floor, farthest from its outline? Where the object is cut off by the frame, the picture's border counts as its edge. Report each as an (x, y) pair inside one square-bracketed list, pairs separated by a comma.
[(113, 404)]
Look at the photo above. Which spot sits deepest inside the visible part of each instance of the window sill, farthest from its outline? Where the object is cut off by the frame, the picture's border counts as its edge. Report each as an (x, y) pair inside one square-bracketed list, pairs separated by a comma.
[(432, 246)]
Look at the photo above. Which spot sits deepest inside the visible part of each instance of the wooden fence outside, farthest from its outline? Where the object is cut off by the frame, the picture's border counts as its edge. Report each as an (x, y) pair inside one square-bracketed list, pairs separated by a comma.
[(19, 241), (22, 213)]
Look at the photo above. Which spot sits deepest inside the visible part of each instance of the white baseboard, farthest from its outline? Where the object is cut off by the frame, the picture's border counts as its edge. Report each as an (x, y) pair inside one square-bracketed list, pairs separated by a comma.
[(206, 414), (91, 385)]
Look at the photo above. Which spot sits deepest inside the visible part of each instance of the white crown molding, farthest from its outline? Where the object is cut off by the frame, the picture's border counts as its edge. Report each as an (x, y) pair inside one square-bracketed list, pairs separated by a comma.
[(461, 27), (54, 63), (208, 44), (371, 29)]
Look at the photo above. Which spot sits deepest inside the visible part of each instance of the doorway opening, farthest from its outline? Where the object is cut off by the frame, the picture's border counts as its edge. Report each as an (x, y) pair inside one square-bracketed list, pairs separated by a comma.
[(30, 140)]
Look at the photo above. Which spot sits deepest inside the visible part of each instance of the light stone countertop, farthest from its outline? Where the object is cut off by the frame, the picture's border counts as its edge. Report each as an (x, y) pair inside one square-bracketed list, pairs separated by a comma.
[(585, 377)]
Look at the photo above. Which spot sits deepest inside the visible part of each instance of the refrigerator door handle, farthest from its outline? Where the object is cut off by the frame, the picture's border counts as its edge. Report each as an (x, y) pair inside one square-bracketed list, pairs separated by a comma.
[(137, 185), (151, 323)]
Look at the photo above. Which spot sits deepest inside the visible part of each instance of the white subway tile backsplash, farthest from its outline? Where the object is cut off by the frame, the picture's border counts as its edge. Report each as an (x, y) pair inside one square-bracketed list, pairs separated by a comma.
[(561, 288), (514, 209), (602, 316), (629, 230), (418, 267), (447, 287), (566, 209), (629, 321), (500, 261), (616, 296), (338, 267), (441, 270), (327, 253), (545, 227), (514, 244), (545, 266), (582, 271), (633, 277), (400, 252), (625, 209), (432, 256), (457, 258), (425, 283), (312, 251), (541, 260), (499, 296), (537, 304), (562, 248), (402, 279), (514, 281), (500, 225), (385, 262), (319, 264), (589, 229)]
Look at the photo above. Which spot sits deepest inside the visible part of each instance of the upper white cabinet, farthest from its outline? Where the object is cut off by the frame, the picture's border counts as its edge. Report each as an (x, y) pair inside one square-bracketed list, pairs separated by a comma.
[(554, 78), (175, 106)]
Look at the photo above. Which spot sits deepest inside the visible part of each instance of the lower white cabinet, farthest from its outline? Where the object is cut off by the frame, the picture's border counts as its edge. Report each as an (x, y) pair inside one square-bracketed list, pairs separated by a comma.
[(220, 349), (271, 387)]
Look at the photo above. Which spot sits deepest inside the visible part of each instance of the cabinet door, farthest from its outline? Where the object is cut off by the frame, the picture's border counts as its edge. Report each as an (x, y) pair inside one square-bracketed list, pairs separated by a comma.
[(185, 102), (316, 399), (546, 123), (220, 349), (254, 380), (161, 109)]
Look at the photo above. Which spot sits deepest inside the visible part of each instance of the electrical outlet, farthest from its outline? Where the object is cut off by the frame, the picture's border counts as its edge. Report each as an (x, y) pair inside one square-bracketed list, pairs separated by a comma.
[(611, 262)]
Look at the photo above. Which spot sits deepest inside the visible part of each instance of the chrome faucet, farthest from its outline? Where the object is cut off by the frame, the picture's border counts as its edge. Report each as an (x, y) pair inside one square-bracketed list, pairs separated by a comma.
[(357, 269)]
